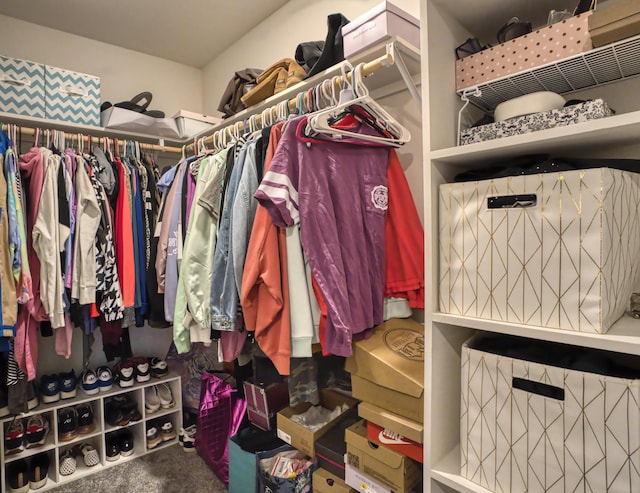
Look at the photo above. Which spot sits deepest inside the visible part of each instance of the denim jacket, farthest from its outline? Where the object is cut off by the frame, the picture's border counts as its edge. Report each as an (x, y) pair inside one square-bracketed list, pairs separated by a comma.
[(224, 292)]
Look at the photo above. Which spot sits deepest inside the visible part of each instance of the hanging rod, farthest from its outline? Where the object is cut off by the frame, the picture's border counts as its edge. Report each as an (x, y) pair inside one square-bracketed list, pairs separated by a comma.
[(237, 124), (96, 140)]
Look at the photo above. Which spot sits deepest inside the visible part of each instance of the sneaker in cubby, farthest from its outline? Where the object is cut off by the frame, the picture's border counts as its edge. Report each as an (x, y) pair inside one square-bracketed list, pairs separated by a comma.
[(14, 441), (167, 432), (126, 374), (105, 378), (142, 370), (153, 435), (36, 431), (158, 367), (67, 383), (86, 422), (90, 385), (49, 388)]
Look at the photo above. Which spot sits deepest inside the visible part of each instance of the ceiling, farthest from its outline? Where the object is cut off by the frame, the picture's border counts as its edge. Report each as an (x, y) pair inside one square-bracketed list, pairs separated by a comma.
[(192, 32)]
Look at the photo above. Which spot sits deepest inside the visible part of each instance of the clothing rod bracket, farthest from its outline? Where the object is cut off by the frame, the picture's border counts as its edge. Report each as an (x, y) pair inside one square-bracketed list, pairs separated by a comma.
[(398, 61)]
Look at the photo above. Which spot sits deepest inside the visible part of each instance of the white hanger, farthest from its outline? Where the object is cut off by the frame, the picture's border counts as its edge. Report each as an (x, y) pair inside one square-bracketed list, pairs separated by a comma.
[(357, 94)]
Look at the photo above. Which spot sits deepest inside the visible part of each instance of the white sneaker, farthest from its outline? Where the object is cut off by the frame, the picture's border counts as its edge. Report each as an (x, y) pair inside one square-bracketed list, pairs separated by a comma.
[(166, 431), (142, 372), (105, 378), (151, 400), (165, 395)]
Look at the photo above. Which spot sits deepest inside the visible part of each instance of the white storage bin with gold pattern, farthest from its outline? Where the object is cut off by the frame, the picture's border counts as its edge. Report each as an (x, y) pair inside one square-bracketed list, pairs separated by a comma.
[(558, 250)]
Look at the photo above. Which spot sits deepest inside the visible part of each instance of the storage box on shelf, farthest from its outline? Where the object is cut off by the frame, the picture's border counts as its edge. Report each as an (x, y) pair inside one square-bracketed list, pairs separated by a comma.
[(613, 21), (21, 87), (190, 123), (56, 444), (569, 115), (549, 416), (72, 97), (558, 250), (551, 43), (381, 23)]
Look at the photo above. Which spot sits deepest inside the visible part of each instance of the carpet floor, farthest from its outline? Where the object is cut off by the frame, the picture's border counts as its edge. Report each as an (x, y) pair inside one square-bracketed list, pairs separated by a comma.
[(169, 470)]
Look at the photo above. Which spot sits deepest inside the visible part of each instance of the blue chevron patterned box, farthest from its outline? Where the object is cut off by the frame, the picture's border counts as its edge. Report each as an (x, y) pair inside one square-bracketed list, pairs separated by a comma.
[(21, 87), (72, 97)]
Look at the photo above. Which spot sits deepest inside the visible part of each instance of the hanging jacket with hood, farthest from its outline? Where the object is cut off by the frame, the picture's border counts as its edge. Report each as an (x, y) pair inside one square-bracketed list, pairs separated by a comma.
[(26, 341)]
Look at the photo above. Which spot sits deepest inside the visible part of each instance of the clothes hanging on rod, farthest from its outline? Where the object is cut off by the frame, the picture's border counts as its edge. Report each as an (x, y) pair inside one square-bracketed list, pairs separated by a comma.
[(298, 235), (65, 242)]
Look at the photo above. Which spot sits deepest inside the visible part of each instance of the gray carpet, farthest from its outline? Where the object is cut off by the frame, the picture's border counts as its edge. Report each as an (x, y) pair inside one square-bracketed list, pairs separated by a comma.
[(169, 470)]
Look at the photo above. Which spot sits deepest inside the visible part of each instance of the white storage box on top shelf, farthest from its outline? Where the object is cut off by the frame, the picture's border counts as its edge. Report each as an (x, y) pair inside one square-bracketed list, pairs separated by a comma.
[(190, 123), (384, 21), (72, 97), (538, 416), (558, 250), (21, 87)]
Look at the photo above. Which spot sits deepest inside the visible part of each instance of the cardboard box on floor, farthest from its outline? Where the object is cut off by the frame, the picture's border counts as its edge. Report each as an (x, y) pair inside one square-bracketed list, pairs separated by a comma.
[(302, 438), (388, 368), (325, 482), (381, 464), (398, 424), (394, 441)]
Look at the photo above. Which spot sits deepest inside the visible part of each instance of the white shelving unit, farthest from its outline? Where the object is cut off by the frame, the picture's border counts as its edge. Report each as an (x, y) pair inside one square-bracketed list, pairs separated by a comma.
[(445, 25), (55, 447), (603, 65)]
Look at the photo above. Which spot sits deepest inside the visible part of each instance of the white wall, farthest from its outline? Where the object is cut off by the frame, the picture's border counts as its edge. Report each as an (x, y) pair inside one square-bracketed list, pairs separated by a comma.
[(277, 37), (124, 73)]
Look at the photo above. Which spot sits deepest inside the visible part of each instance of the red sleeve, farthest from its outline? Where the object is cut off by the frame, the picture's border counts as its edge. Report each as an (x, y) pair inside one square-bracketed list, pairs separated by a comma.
[(404, 240)]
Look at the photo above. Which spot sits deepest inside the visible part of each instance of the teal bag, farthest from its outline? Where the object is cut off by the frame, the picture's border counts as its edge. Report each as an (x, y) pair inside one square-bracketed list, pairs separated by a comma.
[(242, 468)]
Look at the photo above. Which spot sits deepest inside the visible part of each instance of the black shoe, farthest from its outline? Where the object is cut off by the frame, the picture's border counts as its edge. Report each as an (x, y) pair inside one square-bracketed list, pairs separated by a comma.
[(113, 413), (153, 435), (158, 368), (18, 476), (67, 424), (38, 471), (113, 447), (86, 424), (126, 443), (129, 410)]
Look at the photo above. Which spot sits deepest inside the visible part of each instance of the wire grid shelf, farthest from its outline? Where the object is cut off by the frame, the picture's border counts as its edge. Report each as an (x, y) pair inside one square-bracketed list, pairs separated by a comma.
[(599, 66)]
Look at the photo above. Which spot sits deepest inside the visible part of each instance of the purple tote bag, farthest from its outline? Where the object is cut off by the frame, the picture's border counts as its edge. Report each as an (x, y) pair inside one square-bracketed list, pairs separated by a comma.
[(219, 418)]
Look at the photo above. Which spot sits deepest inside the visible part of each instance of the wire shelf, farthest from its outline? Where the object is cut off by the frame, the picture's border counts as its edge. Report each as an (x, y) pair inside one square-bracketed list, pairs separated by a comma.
[(599, 66)]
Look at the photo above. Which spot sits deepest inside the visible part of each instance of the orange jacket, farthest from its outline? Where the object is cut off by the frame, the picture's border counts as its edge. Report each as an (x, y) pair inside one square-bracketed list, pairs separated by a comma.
[(265, 291)]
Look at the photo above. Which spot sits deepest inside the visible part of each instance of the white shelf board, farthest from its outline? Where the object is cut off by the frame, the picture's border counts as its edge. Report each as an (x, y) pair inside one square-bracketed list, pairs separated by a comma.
[(160, 413), (613, 130), (34, 122), (82, 470), (596, 67), (623, 337), (82, 438), (447, 473), (49, 444), (163, 445), (122, 459)]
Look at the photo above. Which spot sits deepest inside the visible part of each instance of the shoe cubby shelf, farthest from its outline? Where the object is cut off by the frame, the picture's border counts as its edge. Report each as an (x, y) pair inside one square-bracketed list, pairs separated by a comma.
[(593, 68), (99, 438)]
